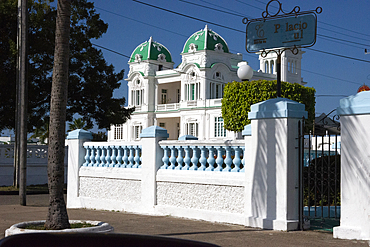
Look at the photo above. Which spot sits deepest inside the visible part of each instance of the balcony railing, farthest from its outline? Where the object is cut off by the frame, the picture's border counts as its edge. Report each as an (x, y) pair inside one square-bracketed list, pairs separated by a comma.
[(187, 104), (167, 107)]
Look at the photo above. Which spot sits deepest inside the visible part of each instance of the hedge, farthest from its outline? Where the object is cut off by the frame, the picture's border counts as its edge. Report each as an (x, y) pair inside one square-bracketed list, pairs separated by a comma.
[(239, 96)]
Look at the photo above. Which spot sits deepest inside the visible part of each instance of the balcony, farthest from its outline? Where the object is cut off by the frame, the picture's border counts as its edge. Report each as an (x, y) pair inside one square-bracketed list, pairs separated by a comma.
[(167, 107), (188, 104)]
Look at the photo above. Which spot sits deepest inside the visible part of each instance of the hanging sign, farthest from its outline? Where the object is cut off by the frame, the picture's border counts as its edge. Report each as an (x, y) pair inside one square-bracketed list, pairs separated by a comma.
[(281, 32)]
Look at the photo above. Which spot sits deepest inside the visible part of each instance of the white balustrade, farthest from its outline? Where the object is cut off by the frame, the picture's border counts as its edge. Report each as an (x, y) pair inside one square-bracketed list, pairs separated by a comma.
[(167, 107), (198, 156), (103, 154)]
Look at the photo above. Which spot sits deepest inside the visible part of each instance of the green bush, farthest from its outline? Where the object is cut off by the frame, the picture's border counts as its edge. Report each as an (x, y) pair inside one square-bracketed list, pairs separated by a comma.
[(239, 96)]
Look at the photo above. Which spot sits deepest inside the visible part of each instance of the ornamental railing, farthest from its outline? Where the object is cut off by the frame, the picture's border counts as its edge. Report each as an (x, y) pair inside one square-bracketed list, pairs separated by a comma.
[(107, 154), (203, 156), (167, 107)]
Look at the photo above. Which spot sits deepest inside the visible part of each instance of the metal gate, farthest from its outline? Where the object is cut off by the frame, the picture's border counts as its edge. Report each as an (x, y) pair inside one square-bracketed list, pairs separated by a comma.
[(319, 173)]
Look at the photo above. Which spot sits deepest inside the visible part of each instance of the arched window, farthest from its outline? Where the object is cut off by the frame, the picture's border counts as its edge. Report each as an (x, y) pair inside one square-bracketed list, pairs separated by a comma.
[(216, 88), (137, 93), (272, 66), (266, 67), (192, 86), (295, 66)]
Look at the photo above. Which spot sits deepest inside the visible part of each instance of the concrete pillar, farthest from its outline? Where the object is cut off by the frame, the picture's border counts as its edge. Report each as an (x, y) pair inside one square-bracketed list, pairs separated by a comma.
[(354, 114), (152, 155), (271, 191), (76, 157)]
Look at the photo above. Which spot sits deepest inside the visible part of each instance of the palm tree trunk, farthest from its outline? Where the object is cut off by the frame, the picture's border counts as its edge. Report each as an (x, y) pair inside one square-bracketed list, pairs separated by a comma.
[(57, 217)]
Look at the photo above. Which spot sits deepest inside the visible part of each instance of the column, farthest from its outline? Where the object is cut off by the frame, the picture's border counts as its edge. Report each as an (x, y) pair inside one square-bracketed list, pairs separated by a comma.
[(76, 157), (354, 114), (271, 167), (152, 155)]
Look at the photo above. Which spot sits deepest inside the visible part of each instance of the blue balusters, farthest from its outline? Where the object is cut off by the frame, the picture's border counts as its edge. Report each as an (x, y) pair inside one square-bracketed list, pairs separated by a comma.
[(92, 156), (211, 158), (243, 160), (102, 156), (228, 161), (180, 158), (187, 158), (87, 156), (137, 157), (97, 156), (119, 156), (236, 160), (125, 156), (165, 158), (220, 159), (172, 158), (131, 157), (107, 156), (203, 159), (113, 156), (194, 159), (141, 157)]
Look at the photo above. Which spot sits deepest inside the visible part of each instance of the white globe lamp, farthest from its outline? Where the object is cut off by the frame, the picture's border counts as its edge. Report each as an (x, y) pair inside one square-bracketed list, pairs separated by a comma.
[(245, 72)]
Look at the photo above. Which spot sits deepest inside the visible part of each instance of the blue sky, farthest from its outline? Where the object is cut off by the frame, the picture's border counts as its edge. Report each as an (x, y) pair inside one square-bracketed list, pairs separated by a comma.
[(342, 29)]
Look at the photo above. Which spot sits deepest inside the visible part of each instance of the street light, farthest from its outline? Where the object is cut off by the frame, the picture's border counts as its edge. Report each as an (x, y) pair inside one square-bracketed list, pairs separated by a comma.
[(245, 72)]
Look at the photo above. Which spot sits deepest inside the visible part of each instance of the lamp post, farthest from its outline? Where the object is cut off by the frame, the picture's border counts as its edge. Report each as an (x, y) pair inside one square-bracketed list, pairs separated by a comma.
[(245, 72)]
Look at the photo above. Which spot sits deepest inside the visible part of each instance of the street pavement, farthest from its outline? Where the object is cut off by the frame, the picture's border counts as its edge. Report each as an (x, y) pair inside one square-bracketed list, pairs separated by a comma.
[(221, 234)]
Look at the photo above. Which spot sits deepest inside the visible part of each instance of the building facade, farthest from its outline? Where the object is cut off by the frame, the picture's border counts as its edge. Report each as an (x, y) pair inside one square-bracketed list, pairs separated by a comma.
[(186, 100)]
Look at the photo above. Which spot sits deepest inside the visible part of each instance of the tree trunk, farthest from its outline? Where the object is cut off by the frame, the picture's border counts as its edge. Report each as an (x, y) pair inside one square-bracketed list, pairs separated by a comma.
[(57, 217)]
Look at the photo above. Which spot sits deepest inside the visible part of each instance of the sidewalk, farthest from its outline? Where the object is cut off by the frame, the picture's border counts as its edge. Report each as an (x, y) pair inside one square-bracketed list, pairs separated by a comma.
[(221, 234)]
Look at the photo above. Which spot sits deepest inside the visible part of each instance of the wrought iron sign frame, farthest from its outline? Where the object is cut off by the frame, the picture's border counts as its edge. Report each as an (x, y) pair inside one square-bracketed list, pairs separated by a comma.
[(266, 15)]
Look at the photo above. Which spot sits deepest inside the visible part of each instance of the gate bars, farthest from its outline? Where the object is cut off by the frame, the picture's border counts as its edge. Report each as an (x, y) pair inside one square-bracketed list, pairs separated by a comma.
[(319, 170)]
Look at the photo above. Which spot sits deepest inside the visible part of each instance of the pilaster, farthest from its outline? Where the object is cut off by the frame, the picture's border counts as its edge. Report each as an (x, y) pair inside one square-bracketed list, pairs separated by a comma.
[(271, 190), (354, 114), (76, 157)]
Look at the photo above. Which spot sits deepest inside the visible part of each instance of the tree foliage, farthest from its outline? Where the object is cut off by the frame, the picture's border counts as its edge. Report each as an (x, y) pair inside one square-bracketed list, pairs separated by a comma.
[(79, 123), (239, 96), (42, 131), (91, 80)]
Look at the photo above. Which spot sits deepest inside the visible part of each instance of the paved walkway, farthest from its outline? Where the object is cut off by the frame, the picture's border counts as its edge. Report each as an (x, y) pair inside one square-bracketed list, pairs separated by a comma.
[(221, 234)]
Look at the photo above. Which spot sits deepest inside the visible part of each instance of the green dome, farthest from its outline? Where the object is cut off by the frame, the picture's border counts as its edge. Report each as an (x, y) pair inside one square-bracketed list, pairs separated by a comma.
[(151, 50), (205, 39)]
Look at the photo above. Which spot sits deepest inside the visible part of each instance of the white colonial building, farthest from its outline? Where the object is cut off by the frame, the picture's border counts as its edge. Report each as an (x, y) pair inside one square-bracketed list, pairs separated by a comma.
[(186, 100)]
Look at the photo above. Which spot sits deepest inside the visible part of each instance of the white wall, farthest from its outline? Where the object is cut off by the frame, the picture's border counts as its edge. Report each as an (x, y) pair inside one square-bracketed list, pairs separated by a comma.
[(37, 159)]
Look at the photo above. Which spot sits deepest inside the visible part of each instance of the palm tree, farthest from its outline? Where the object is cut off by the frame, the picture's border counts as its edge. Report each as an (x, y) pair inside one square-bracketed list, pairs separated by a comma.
[(79, 123), (42, 132), (57, 217)]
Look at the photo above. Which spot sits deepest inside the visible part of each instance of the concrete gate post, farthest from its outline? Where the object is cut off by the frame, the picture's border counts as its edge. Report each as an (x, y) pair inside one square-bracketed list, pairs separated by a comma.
[(152, 155), (76, 157), (271, 188), (354, 114)]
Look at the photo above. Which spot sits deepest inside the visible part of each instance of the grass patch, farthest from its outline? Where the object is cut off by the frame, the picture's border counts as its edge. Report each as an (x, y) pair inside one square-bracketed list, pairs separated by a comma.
[(8, 188), (30, 188), (34, 187), (73, 226)]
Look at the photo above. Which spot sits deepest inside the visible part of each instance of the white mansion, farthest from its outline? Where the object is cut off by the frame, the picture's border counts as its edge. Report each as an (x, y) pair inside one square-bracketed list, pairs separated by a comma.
[(187, 100)]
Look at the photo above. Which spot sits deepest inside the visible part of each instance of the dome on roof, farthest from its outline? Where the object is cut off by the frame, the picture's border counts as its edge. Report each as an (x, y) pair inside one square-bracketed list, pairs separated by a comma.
[(205, 39), (151, 50)]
